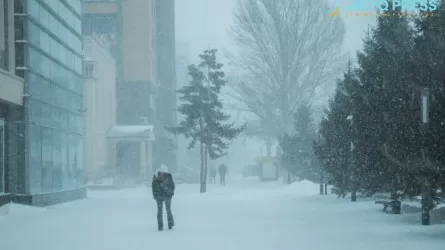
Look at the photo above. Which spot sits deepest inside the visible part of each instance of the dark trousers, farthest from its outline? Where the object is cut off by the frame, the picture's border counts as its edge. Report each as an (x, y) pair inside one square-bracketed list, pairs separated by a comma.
[(223, 179), (212, 179), (169, 213)]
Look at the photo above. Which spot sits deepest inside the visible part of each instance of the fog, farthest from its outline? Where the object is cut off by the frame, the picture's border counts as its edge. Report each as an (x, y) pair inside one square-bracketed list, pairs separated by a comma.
[(201, 24)]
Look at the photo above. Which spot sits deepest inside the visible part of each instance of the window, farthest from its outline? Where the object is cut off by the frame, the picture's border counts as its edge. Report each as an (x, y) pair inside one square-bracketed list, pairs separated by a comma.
[(64, 146), (34, 9), (45, 42), (89, 70), (63, 33), (46, 67), (100, 23), (35, 158), (56, 118), (38, 87), (72, 122), (80, 124), (54, 48), (79, 162), (33, 34), (47, 159), (62, 97), (64, 120), (55, 73), (86, 26), (72, 161), (46, 115), (57, 160), (78, 64), (44, 18), (54, 24), (3, 36), (35, 110), (2, 154), (35, 60)]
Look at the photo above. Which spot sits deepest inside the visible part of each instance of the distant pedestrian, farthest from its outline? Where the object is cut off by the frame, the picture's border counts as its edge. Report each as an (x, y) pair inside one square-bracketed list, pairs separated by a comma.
[(222, 174), (212, 175), (163, 188)]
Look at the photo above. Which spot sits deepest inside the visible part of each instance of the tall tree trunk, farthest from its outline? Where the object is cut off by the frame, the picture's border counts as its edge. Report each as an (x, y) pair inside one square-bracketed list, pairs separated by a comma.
[(201, 152), (343, 183), (427, 203), (268, 147), (353, 174), (204, 183), (353, 187), (201, 179), (321, 182)]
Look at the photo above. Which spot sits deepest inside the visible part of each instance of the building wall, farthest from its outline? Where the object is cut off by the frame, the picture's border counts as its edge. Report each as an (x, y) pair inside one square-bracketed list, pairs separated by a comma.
[(165, 148), (100, 105), (11, 86), (11, 110), (137, 40), (131, 23), (99, 7), (54, 116)]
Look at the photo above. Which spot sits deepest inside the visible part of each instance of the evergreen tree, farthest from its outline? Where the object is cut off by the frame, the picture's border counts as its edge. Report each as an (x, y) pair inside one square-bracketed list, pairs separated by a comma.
[(388, 119), (297, 150), (334, 148), (205, 122), (429, 68)]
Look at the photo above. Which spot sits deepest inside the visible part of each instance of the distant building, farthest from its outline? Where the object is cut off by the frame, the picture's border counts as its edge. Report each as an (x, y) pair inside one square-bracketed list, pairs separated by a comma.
[(183, 60), (42, 157), (131, 25), (100, 105), (165, 148)]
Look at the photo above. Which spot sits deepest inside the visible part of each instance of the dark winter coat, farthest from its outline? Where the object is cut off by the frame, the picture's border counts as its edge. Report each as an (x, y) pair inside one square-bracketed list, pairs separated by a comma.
[(163, 186)]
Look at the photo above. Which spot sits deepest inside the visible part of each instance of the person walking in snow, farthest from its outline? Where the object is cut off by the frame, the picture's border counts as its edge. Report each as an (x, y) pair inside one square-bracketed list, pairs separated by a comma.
[(163, 188), (212, 174), (222, 174)]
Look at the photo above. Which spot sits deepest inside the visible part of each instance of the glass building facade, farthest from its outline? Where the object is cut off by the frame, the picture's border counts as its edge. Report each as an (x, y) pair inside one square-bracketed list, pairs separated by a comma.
[(54, 84)]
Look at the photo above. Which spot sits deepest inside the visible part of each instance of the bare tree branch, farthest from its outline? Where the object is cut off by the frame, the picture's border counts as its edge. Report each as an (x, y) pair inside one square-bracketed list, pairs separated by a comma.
[(288, 50)]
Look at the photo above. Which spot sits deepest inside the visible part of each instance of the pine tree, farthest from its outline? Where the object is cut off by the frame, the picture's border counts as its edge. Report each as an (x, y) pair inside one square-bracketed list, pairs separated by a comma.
[(334, 148), (430, 65), (390, 119), (205, 122), (297, 149)]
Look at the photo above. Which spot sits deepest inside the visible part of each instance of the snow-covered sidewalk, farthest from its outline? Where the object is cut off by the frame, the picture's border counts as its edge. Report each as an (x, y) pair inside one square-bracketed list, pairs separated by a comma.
[(241, 216)]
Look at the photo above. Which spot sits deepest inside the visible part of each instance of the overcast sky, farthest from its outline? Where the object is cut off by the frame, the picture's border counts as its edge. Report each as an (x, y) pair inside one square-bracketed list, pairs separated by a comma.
[(201, 23)]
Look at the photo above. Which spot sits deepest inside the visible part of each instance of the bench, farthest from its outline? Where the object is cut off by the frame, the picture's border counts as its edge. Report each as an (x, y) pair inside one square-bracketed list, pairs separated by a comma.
[(393, 204)]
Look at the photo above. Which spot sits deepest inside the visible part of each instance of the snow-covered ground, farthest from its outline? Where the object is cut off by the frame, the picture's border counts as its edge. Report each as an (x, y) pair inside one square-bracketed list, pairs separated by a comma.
[(244, 215)]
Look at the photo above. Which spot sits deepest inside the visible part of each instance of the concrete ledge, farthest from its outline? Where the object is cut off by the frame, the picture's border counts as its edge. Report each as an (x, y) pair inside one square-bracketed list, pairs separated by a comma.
[(49, 199), (11, 88), (5, 199), (102, 187)]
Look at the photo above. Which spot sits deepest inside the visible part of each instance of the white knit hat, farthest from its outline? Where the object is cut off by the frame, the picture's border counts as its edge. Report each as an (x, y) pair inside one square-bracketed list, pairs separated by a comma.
[(163, 168)]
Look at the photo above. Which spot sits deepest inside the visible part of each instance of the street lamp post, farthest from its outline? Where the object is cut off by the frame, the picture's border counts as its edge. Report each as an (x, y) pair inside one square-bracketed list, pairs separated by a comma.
[(321, 168), (426, 189), (352, 162)]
